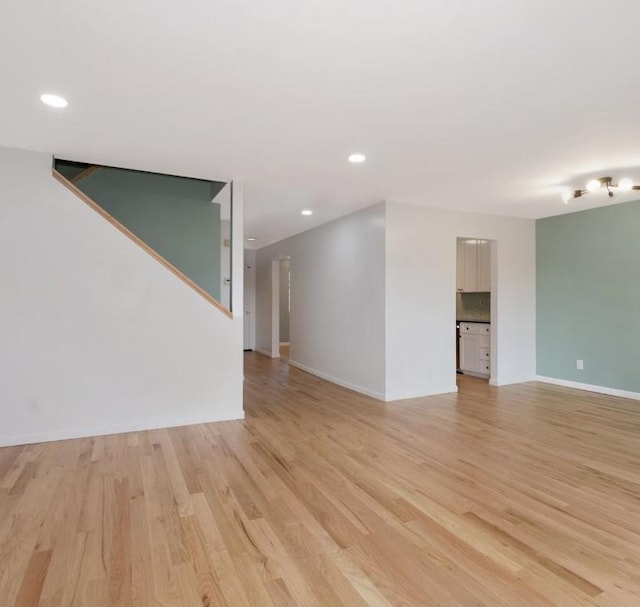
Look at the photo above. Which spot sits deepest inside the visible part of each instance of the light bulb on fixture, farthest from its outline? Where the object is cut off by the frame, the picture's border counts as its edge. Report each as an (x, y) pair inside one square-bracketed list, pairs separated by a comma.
[(594, 185), (625, 184), (307, 212)]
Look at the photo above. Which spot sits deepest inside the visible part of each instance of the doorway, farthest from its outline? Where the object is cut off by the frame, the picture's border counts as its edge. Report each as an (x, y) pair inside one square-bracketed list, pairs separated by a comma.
[(284, 307), (281, 308), (475, 307)]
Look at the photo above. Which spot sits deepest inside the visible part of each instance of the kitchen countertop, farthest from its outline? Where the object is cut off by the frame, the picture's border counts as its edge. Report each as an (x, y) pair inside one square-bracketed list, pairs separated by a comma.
[(480, 322)]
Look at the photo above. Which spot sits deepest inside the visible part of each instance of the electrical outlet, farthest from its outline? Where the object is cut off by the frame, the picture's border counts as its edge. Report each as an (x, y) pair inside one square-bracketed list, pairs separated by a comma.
[(580, 365), (32, 405)]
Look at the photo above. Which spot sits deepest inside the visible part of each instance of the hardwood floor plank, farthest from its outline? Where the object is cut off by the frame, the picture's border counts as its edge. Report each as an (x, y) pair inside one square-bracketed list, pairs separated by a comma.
[(521, 496), (555, 568), (33, 580)]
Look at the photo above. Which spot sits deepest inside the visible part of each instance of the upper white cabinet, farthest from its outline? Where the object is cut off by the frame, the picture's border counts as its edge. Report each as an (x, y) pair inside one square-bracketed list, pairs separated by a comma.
[(473, 266), (484, 265)]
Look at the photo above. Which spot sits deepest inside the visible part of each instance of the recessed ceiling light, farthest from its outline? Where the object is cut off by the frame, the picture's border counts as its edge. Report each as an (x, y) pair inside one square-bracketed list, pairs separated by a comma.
[(307, 212), (357, 158), (54, 100), (251, 239)]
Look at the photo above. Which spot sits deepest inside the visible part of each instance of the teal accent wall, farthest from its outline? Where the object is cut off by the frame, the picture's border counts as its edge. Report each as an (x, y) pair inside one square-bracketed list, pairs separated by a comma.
[(588, 296), (71, 169), (173, 215)]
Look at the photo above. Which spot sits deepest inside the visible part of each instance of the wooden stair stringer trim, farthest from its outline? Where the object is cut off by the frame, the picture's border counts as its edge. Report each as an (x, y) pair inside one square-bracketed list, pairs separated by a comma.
[(143, 245), (80, 176)]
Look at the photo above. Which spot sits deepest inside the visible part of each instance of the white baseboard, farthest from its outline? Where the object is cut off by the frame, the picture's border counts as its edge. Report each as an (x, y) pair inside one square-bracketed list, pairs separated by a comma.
[(124, 428), (511, 382), (339, 382), (372, 393), (265, 353), (588, 387), (431, 392)]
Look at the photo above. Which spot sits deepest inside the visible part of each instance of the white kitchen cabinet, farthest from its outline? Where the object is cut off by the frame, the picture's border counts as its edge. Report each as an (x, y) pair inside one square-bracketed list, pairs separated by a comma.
[(484, 266), (469, 354), (473, 265), (460, 264), (475, 348)]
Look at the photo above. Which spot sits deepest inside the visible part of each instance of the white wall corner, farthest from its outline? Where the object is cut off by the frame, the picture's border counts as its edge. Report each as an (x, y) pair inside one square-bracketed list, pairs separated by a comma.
[(336, 380), (435, 391), (511, 382)]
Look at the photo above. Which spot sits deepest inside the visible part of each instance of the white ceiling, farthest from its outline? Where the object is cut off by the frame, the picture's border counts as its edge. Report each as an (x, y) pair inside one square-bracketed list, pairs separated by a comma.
[(487, 106)]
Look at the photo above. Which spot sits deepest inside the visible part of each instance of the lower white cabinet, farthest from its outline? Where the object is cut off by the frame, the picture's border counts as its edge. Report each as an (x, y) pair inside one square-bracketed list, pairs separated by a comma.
[(475, 348)]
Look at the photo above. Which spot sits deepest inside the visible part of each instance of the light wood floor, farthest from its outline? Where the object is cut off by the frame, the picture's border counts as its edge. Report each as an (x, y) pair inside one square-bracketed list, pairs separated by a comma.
[(520, 496)]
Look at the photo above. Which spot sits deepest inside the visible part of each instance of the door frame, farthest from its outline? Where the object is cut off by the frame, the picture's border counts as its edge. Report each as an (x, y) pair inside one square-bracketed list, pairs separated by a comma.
[(493, 250), (275, 306)]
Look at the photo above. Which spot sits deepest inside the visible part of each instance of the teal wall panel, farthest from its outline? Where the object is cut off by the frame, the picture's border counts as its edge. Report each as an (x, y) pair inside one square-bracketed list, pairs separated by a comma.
[(588, 296), (70, 169), (173, 215)]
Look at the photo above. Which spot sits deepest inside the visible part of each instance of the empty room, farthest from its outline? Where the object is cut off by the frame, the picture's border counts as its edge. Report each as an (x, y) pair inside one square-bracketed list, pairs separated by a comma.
[(319, 304)]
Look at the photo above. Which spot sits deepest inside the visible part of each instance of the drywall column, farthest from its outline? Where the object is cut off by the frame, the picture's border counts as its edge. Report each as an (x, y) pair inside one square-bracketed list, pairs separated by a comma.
[(237, 248), (420, 297), (223, 200), (249, 303)]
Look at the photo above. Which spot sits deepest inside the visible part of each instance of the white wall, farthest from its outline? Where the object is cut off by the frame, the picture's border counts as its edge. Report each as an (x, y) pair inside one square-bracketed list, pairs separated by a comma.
[(97, 336), (225, 263), (249, 327), (337, 300), (284, 301), (223, 198), (420, 298)]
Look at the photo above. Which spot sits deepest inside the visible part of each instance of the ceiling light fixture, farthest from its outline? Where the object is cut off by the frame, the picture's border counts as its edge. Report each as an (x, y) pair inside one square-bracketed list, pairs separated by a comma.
[(625, 185), (307, 212), (356, 158), (251, 239), (54, 100)]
